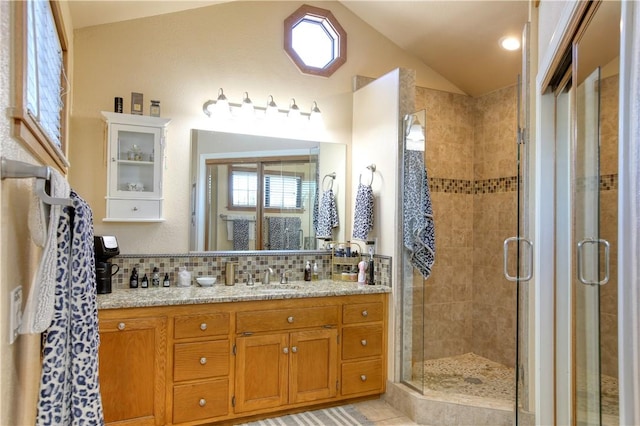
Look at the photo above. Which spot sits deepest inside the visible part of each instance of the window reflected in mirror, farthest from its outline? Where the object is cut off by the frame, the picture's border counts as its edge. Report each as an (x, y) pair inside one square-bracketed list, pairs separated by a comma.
[(283, 220)]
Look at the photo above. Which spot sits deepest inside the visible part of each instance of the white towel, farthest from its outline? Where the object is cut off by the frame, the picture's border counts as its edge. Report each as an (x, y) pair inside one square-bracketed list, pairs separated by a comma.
[(38, 311)]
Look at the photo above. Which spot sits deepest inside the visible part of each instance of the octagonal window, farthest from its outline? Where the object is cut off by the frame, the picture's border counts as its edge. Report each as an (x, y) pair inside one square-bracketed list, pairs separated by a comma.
[(315, 41)]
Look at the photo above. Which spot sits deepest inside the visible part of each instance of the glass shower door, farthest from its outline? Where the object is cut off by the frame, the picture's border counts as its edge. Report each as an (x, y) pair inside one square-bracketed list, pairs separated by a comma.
[(594, 58), (523, 261), (589, 251)]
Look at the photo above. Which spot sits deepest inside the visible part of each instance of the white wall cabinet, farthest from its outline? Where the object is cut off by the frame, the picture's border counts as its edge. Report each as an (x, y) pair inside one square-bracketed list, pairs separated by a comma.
[(134, 167)]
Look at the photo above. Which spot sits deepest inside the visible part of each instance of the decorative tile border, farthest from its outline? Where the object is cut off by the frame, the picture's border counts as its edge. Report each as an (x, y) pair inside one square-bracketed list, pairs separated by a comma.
[(255, 262), (451, 186), (495, 185), (485, 186), (609, 182), (506, 184)]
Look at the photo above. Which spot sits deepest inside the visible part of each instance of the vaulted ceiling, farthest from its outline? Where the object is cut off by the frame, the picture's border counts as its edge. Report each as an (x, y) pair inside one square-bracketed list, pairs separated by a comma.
[(456, 38)]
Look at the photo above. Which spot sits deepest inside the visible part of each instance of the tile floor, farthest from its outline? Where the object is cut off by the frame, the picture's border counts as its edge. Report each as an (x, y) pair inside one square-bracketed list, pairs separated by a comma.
[(381, 413)]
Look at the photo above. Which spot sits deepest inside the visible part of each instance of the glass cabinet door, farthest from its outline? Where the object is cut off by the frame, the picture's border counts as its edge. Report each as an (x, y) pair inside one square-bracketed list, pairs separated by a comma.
[(136, 156)]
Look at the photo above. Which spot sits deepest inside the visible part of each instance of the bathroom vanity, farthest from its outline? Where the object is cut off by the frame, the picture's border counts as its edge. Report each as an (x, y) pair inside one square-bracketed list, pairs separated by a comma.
[(204, 355)]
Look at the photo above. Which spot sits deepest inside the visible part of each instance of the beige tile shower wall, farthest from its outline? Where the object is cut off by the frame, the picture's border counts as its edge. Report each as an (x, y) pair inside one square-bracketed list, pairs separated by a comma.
[(609, 222), (494, 298), (471, 161), (449, 133), (495, 147), (495, 219), (449, 160)]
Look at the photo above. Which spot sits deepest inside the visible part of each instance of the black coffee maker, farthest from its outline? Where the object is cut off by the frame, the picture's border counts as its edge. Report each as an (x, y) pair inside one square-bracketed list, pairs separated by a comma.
[(105, 248)]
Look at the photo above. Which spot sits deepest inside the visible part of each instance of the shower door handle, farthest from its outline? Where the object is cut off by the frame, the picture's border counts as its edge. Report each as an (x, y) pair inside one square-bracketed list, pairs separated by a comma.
[(529, 269), (580, 262)]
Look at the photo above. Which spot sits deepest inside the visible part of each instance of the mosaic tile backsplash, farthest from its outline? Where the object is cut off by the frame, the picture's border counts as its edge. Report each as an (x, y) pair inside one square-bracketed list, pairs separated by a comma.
[(256, 263)]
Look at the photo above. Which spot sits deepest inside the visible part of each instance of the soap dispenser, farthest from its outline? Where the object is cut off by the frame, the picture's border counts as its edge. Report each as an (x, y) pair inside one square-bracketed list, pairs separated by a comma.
[(370, 265), (307, 271)]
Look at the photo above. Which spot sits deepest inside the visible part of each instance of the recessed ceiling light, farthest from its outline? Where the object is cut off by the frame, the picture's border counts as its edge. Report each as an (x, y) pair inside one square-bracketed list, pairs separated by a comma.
[(509, 43)]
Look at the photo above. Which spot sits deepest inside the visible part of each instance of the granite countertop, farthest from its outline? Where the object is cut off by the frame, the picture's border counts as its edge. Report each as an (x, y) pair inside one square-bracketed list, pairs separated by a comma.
[(220, 293)]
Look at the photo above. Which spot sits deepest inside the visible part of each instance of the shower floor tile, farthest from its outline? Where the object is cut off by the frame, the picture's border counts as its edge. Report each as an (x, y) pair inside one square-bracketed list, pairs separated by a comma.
[(469, 374)]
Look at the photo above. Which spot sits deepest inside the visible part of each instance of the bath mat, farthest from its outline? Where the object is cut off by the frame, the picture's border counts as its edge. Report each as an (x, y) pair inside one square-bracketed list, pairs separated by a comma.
[(345, 415)]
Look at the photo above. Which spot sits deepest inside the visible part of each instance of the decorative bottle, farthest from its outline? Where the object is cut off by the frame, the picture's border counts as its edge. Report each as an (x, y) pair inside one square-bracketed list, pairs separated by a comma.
[(133, 280), (166, 282), (145, 282), (155, 277)]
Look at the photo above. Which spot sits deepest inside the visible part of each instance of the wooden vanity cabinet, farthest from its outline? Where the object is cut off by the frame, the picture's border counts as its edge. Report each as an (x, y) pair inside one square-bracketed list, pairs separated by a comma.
[(294, 361), (201, 365), (363, 368), (212, 363), (132, 370)]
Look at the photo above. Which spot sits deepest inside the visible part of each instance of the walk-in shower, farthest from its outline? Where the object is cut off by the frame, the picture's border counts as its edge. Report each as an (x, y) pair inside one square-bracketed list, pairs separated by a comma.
[(459, 326)]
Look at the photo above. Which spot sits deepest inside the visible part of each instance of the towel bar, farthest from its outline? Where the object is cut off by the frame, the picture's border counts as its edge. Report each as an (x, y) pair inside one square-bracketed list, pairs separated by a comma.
[(11, 169)]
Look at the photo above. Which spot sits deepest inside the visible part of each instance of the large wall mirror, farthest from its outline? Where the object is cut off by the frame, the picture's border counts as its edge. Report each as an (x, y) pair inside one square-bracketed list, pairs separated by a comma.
[(264, 193)]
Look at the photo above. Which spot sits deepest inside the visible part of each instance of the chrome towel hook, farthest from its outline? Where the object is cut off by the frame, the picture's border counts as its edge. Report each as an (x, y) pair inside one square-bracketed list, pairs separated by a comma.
[(372, 169), (332, 177)]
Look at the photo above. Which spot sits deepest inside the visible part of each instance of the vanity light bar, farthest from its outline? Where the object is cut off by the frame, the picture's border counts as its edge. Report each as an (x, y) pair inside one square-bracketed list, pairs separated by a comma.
[(221, 102)]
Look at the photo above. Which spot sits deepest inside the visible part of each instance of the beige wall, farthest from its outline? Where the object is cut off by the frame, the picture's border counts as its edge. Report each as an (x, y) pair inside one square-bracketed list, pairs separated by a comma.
[(182, 59)]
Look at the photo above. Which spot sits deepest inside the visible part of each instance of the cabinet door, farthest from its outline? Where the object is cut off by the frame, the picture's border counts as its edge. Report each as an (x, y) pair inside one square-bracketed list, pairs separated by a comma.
[(314, 364), (135, 157), (132, 370), (261, 371)]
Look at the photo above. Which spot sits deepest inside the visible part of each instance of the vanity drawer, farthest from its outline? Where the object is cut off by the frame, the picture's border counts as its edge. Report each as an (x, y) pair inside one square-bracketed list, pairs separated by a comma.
[(200, 360), (200, 400), (362, 376), (201, 325), (362, 312), (361, 341), (134, 209), (285, 319)]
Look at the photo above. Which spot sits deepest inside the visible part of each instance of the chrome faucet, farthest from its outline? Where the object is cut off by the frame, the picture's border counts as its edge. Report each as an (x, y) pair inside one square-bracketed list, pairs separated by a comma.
[(267, 276)]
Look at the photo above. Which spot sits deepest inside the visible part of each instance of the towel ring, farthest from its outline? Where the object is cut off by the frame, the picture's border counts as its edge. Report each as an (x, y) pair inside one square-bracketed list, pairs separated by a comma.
[(329, 175), (372, 169)]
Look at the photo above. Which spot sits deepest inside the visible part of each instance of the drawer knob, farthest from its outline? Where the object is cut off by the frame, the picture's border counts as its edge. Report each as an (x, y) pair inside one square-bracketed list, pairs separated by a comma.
[(203, 360), (290, 320), (363, 378), (202, 402), (121, 326), (285, 350), (203, 326), (363, 342), (135, 209), (365, 313), (294, 349)]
